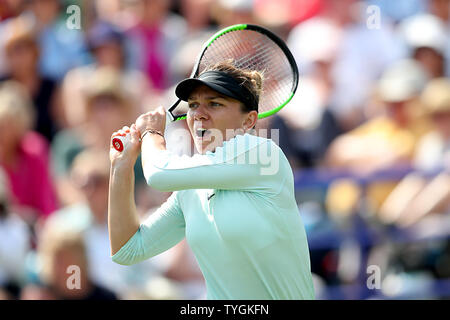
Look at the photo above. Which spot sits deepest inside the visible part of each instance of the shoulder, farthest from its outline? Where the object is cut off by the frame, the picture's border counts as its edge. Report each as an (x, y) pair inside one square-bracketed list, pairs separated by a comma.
[(67, 138), (262, 154), (34, 145), (255, 147), (13, 222), (76, 217)]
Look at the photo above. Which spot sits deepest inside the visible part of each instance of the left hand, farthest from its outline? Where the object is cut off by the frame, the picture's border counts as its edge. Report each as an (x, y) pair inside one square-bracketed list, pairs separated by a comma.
[(153, 120)]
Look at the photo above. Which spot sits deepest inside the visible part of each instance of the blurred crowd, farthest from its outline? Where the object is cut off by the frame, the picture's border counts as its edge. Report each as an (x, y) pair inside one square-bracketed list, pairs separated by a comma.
[(367, 135)]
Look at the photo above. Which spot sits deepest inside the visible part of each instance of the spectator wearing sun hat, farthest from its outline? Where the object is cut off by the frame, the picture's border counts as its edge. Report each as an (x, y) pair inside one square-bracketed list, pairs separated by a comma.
[(108, 105), (427, 39), (434, 148), (417, 196), (24, 155)]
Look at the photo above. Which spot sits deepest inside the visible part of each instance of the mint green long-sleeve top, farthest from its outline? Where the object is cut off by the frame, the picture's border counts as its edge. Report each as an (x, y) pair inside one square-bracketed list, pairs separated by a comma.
[(237, 210)]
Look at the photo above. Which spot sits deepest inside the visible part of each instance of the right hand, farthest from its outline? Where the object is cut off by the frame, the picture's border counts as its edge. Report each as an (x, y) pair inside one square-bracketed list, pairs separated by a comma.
[(132, 146)]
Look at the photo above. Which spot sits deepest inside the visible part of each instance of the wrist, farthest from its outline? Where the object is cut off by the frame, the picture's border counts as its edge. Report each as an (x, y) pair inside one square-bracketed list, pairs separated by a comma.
[(122, 165), (151, 132)]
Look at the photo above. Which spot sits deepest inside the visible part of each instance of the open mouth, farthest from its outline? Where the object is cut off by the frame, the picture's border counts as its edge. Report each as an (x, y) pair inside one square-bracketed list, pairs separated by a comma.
[(201, 132)]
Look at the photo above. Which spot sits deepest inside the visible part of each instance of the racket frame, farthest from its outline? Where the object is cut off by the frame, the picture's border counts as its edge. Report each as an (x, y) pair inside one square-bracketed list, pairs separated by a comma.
[(237, 27)]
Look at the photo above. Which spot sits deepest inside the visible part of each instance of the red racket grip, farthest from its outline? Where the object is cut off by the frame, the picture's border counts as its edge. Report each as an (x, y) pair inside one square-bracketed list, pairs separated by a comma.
[(118, 143)]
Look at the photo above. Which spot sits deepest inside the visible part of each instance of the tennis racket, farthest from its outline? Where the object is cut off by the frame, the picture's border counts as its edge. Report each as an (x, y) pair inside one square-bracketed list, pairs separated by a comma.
[(249, 47)]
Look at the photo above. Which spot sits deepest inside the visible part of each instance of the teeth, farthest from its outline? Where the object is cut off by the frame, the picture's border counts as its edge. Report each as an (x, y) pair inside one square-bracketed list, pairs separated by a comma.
[(200, 132)]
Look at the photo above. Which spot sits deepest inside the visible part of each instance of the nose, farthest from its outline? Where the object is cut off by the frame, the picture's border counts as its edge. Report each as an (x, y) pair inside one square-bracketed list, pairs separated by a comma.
[(200, 113)]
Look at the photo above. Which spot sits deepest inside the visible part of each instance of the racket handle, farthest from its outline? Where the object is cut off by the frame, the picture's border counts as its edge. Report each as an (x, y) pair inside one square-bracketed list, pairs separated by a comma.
[(118, 143)]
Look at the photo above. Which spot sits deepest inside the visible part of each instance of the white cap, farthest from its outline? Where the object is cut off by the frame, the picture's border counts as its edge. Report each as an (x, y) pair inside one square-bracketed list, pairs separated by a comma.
[(424, 30), (317, 39), (402, 81), (237, 5), (314, 40)]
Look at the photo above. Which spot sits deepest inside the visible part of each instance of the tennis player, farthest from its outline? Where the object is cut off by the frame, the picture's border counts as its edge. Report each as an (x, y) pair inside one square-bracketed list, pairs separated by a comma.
[(237, 212)]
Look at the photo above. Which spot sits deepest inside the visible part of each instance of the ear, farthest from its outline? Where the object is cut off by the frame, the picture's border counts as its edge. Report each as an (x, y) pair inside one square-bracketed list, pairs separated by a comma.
[(250, 120)]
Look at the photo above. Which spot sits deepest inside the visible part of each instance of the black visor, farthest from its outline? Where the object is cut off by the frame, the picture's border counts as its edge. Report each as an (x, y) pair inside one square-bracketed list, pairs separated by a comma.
[(221, 82)]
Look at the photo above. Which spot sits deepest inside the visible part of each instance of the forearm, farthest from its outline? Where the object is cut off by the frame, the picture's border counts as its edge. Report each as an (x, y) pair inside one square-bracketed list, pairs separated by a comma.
[(166, 171), (434, 195), (123, 220), (151, 143)]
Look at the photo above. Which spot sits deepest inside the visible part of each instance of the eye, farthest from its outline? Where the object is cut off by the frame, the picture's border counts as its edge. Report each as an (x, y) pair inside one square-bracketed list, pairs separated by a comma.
[(215, 104), (192, 105)]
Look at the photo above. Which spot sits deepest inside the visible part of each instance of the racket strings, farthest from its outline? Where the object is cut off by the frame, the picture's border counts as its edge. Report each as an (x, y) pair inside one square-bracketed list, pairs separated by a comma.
[(254, 51)]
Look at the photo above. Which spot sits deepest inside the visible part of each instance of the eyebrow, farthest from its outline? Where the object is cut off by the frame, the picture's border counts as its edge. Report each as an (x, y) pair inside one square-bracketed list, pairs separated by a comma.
[(209, 97)]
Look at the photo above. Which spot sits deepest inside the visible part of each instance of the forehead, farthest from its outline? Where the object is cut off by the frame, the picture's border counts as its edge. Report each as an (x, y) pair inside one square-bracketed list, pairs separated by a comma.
[(203, 90)]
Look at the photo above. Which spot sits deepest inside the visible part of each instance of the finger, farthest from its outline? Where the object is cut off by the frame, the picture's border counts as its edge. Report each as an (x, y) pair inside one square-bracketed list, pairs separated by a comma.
[(161, 110), (134, 134), (135, 128), (121, 133), (115, 134)]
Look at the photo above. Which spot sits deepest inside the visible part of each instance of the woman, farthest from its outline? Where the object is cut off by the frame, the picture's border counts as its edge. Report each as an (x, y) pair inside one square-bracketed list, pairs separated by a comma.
[(240, 217), (22, 54), (24, 156), (107, 103)]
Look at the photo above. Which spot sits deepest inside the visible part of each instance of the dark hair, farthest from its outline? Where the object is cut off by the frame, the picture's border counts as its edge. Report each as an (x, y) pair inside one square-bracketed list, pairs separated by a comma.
[(104, 32), (3, 210), (250, 79)]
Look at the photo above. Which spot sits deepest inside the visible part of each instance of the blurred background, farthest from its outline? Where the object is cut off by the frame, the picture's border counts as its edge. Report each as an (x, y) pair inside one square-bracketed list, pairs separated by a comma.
[(367, 135)]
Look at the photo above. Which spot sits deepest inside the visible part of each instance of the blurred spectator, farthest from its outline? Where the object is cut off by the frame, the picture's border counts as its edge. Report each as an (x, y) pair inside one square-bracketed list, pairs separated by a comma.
[(11, 8), (90, 175), (61, 48), (24, 155), (356, 48), (108, 46), (197, 14), (14, 244), (275, 13), (8, 9), (400, 9), (156, 36), (108, 107), (58, 250), (109, 10), (227, 13), (305, 42), (387, 140), (441, 9), (360, 61), (308, 126), (22, 53), (433, 149), (416, 196), (427, 40), (182, 269)]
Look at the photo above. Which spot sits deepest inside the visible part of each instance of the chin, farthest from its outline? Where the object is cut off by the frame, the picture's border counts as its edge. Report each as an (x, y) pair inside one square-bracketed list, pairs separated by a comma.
[(203, 149)]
